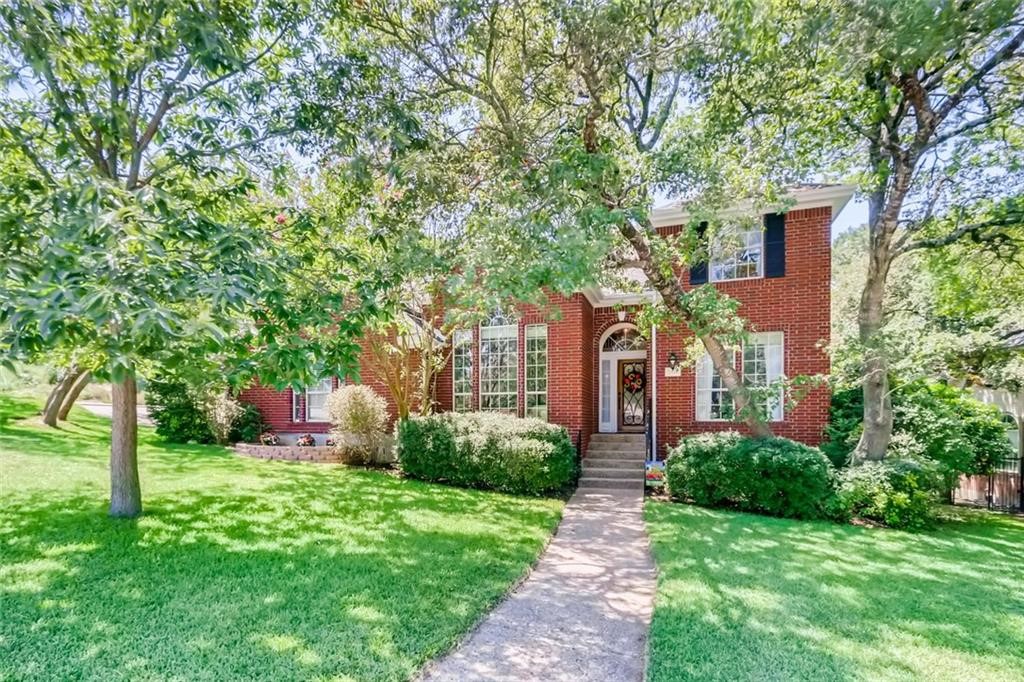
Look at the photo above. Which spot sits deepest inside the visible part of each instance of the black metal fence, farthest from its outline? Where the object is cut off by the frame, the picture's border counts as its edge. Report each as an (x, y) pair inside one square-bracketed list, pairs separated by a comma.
[(1002, 489)]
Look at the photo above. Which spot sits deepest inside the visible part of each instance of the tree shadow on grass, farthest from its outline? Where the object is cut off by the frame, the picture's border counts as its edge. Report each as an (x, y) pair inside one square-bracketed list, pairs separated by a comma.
[(312, 573), (749, 597)]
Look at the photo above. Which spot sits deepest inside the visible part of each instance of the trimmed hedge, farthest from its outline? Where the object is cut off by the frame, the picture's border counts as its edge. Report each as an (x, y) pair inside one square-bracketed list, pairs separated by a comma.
[(774, 476), (487, 450), (898, 493)]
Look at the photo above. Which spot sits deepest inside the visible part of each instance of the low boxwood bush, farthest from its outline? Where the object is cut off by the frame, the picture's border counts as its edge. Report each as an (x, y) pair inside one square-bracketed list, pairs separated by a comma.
[(897, 493), (774, 476), (487, 450)]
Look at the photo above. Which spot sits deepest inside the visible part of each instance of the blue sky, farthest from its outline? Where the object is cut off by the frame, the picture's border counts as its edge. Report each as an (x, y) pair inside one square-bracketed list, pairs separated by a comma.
[(853, 214)]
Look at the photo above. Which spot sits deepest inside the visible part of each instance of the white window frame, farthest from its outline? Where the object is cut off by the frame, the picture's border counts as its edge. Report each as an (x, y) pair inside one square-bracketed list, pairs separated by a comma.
[(500, 329), (608, 364), (462, 360), (708, 383), (1011, 465), (774, 365), (317, 389), (720, 258), (537, 386)]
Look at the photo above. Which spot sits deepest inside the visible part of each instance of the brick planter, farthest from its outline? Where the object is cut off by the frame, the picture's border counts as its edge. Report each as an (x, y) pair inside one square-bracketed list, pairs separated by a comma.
[(315, 453)]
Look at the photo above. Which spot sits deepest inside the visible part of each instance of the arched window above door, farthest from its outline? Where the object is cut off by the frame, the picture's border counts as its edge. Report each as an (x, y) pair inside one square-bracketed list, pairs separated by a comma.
[(624, 339)]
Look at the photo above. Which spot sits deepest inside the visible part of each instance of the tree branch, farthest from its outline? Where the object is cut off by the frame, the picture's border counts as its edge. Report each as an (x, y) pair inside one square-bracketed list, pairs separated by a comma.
[(994, 60), (988, 230)]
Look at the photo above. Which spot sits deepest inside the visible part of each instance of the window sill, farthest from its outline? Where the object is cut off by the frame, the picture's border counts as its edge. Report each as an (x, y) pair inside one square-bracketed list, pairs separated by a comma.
[(734, 279)]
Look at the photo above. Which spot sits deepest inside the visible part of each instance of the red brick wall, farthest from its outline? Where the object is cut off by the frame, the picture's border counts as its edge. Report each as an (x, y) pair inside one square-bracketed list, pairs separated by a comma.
[(797, 305), (276, 407), (570, 383)]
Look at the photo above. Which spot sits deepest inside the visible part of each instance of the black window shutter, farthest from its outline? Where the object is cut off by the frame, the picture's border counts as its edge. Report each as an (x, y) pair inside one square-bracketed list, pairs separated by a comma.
[(699, 271), (775, 245)]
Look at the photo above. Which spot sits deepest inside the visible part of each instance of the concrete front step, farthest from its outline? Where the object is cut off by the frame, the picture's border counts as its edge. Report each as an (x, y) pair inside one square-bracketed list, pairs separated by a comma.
[(615, 447), (611, 483), (613, 463), (618, 452), (618, 438), (609, 472)]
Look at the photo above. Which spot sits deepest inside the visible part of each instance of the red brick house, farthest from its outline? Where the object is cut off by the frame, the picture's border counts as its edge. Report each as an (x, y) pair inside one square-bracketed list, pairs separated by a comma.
[(591, 371)]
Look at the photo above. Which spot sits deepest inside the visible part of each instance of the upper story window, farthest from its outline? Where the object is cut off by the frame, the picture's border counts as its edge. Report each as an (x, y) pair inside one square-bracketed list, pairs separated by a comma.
[(462, 371), (499, 364), (738, 255)]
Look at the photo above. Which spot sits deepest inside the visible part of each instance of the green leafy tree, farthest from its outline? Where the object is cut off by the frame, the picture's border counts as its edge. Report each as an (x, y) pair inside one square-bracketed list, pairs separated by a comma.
[(949, 312), (564, 120), (923, 103), (134, 138)]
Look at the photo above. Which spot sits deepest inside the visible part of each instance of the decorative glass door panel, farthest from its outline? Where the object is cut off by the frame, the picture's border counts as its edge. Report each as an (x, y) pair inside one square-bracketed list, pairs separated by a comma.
[(632, 389)]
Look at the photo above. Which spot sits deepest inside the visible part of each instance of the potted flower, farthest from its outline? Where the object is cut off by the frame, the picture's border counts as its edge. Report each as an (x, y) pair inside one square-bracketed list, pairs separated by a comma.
[(306, 440), (268, 438)]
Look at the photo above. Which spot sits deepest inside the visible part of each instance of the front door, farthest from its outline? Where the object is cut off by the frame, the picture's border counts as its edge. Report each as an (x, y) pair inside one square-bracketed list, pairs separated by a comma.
[(632, 389)]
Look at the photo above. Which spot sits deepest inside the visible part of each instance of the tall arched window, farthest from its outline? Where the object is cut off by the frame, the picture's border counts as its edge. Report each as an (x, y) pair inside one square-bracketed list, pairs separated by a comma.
[(499, 364)]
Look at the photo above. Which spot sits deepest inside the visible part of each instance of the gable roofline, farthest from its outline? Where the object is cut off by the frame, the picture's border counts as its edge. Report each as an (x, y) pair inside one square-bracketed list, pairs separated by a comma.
[(806, 196)]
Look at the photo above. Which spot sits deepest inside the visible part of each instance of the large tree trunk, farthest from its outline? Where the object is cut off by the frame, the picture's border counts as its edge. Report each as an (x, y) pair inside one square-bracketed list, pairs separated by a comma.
[(125, 494), (58, 394), (877, 416), (883, 213), (76, 390)]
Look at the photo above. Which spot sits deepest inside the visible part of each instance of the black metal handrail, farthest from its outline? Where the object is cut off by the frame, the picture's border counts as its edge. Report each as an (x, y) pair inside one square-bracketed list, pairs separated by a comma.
[(649, 434)]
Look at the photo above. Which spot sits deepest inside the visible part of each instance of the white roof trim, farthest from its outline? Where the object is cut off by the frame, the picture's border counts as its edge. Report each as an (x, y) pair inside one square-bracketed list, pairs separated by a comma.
[(833, 196), (604, 299)]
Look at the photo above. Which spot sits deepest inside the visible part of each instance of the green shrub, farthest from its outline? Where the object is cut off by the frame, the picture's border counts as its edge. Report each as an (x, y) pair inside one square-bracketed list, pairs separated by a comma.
[(688, 464), (487, 450), (931, 420), (898, 493), (174, 411), (249, 425), (846, 412), (774, 476)]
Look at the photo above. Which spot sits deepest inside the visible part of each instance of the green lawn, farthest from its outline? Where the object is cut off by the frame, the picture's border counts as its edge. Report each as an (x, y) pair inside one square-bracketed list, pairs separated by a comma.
[(239, 568), (743, 597)]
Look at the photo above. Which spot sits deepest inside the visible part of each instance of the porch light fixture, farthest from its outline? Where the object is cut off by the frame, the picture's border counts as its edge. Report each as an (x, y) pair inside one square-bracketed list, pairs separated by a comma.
[(673, 360), (622, 315)]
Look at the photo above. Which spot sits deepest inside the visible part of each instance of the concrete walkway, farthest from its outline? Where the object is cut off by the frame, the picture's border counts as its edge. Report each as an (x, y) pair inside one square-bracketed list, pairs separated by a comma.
[(105, 410), (584, 611)]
